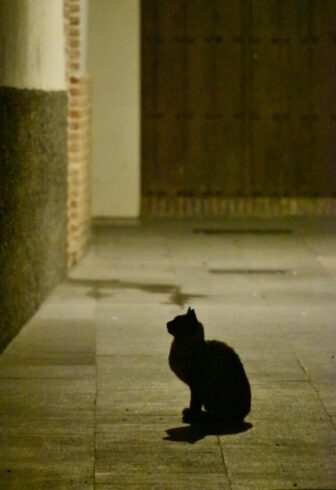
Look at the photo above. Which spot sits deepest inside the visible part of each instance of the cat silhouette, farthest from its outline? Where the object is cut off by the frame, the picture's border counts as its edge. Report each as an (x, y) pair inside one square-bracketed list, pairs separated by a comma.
[(212, 370)]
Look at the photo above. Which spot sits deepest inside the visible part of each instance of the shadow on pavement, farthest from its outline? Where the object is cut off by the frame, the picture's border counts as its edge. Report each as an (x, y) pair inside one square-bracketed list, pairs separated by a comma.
[(195, 432)]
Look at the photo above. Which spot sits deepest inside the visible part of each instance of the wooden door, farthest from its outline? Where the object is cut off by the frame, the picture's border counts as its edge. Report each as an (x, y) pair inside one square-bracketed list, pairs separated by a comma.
[(238, 98), (293, 94)]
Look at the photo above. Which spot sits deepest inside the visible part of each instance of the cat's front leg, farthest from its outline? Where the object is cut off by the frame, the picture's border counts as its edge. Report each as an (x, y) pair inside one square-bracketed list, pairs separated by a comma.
[(193, 412)]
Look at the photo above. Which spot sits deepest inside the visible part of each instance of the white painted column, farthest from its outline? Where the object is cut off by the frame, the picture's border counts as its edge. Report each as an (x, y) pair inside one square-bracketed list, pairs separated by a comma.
[(32, 44), (114, 64)]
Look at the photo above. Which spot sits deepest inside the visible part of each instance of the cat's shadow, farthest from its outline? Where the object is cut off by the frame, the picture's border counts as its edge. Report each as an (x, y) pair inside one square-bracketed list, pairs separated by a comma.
[(195, 432)]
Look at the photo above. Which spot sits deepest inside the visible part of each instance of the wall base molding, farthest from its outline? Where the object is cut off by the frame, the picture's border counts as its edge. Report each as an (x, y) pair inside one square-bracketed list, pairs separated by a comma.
[(189, 207)]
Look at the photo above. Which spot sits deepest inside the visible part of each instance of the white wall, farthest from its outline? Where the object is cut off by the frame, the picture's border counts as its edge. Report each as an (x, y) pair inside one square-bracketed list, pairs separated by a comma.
[(32, 44), (84, 22), (114, 63)]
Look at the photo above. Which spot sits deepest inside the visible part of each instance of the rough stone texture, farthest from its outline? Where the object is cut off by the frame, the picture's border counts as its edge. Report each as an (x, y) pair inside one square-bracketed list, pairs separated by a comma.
[(33, 161)]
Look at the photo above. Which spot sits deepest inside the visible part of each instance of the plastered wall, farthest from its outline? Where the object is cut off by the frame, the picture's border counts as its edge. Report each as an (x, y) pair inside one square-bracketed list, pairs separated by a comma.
[(114, 64), (32, 50)]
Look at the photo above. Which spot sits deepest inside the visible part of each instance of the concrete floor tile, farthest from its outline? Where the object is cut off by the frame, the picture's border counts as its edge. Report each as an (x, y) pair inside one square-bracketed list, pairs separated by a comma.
[(317, 354), (291, 401), (39, 458), (136, 297), (160, 457), (263, 365), (38, 477), (145, 325), (48, 336), (54, 405), (67, 311), (120, 275), (65, 422), (220, 320), (30, 386), (327, 394), (163, 481), (155, 315), (24, 371), (164, 433), (141, 384), (155, 400), (303, 299), (41, 359), (169, 420), (289, 463), (131, 284), (282, 431), (152, 367), (114, 341), (328, 262), (70, 295), (284, 483), (21, 448)]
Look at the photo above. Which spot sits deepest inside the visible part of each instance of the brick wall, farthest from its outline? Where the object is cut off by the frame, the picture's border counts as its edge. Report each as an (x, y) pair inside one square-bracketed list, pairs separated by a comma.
[(79, 136)]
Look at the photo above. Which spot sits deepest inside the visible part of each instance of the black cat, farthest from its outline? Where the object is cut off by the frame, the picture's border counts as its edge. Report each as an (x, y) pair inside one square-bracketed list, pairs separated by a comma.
[(213, 372)]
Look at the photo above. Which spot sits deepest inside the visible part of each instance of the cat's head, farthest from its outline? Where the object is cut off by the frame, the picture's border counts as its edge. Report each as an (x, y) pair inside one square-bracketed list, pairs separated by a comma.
[(186, 326)]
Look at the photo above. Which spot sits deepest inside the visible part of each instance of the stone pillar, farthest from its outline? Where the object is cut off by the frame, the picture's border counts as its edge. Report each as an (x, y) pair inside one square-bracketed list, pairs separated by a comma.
[(33, 158)]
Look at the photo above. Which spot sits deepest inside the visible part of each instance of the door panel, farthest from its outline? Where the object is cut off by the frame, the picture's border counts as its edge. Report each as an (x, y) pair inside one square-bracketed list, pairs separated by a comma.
[(238, 98)]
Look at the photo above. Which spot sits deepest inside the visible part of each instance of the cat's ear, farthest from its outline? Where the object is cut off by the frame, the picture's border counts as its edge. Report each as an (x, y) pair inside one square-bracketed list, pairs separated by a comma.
[(192, 314)]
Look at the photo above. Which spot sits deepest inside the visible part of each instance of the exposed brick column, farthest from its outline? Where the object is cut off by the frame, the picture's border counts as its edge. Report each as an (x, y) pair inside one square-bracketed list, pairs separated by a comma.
[(79, 136)]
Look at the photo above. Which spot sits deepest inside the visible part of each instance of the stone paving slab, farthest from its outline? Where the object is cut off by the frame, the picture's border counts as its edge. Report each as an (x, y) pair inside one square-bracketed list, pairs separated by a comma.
[(151, 367), (39, 477), (69, 295), (160, 481), (152, 401), (55, 335), (282, 432), (250, 320), (66, 422), (10, 371), (113, 273), (158, 457), (30, 447), (286, 483), (35, 458), (49, 310), (29, 386), (145, 326), (168, 433), (292, 401), (53, 404), (327, 394), (290, 463), (47, 360)]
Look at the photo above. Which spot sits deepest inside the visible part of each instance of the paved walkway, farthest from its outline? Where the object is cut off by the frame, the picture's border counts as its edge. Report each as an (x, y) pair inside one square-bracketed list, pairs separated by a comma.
[(86, 396)]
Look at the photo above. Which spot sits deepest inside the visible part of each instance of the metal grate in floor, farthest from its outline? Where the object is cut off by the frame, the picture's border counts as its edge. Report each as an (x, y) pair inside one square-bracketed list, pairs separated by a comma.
[(250, 271), (243, 231)]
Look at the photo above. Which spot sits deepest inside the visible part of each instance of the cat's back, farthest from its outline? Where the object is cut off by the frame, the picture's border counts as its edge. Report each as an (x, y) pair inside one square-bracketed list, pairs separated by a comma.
[(218, 351), (223, 363), (227, 386)]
